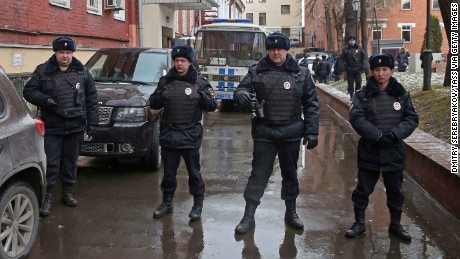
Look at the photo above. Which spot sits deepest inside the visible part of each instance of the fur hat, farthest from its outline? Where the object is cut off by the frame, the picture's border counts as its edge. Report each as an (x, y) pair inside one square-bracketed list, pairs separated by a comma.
[(184, 51), (277, 40), (64, 43), (351, 37), (382, 60)]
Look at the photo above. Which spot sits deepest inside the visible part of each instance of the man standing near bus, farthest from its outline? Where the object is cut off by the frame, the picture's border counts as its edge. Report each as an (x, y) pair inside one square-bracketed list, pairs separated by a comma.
[(278, 90)]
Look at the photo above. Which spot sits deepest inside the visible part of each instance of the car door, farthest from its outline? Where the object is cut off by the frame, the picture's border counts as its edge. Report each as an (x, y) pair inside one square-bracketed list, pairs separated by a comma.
[(6, 164)]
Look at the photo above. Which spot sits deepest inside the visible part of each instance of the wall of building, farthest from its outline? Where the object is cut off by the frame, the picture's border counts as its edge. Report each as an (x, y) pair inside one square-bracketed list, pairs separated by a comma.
[(159, 16)]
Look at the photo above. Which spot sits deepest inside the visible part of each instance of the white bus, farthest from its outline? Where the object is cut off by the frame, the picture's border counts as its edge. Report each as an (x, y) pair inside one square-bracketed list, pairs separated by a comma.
[(225, 50)]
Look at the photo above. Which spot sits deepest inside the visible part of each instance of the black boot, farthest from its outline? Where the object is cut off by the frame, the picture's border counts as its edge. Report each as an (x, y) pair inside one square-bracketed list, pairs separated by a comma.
[(351, 96), (46, 205), (358, 227), (67, 196), (247, 222), (291, 216), (195, 213), (166, 207), (395, 227)]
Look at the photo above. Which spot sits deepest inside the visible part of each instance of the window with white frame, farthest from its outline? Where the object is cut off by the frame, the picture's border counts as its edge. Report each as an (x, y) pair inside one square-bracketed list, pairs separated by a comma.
[(406, 33), (61, 3), (94, 6), (406, 4), (377, 32), (250, 16), (262, 19), (119, 15), (248, 1), (435, 5)]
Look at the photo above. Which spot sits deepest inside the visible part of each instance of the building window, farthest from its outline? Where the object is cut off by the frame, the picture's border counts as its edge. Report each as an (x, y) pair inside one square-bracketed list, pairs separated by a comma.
[(406, 33), (262, 19), (406, 4), (248, 1), (119, 15), (286, 31), (285, 9), (61, 3), (435, 5), (262, 1), (250, 16), (377, 33), (94, 6)]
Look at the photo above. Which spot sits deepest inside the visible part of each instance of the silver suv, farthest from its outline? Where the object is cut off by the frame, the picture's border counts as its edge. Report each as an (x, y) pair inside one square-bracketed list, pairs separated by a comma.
[(22, 172)]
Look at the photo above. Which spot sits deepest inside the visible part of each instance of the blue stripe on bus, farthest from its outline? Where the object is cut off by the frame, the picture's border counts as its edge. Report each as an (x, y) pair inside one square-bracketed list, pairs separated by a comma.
[(221, 71), (231, 71), (221, 84), (231, 84)]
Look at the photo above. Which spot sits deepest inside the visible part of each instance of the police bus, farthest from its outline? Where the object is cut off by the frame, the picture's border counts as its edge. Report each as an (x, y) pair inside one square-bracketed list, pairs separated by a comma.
[(225, 49)]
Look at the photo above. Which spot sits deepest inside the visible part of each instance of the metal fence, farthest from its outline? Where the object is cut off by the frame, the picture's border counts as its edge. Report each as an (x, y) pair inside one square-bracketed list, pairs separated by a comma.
[(19, 80)]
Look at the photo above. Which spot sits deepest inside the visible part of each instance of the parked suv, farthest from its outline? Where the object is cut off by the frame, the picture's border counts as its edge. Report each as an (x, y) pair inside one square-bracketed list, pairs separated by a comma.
[(22, 172), (128, 129)]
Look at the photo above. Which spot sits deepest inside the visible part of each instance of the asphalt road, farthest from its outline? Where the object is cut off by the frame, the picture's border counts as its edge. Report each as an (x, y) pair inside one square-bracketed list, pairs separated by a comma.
[(116, 201)]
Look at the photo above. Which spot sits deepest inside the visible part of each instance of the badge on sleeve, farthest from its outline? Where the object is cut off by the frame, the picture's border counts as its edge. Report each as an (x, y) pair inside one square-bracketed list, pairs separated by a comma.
[(77, 86), (188, 91), (287, 85), (397, 106)]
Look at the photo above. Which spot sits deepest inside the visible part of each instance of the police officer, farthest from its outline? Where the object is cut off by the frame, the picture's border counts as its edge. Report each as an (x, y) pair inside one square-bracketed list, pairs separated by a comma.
[(354, 60), (64, 91), (383, 115), (185, 95), (323, 69), (283, 91)]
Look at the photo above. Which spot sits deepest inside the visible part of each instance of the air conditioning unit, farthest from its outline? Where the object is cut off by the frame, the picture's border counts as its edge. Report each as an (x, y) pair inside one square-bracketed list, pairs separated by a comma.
[(114, 4)]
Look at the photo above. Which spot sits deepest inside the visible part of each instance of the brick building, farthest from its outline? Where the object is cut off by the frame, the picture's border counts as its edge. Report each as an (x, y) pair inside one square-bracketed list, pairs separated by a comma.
[(28, 27), (403, 20)]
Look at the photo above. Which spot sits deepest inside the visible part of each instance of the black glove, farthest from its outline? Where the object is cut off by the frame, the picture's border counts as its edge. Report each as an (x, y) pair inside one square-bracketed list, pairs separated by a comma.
[(243, 99), (89, 130), (387, 139), (51, 105), (312, 141)]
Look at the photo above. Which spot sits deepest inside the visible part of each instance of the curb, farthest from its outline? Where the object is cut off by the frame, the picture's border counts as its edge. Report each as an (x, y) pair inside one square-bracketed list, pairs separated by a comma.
[(427, 160)]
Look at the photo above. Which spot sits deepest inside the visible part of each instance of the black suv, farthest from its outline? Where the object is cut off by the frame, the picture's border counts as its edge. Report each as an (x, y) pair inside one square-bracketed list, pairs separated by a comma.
[(128, 129), (22, 172)]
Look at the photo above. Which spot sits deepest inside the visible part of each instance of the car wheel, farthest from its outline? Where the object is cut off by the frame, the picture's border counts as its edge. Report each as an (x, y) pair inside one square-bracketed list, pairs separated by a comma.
[(152, 160), (19, 223)]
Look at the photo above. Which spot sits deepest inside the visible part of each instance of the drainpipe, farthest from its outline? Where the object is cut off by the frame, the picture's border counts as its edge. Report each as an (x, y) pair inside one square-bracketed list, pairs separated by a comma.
[(141, 38)]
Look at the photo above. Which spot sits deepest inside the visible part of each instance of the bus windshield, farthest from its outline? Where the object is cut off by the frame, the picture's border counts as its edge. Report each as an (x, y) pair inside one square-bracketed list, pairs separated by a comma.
[(232, 48)]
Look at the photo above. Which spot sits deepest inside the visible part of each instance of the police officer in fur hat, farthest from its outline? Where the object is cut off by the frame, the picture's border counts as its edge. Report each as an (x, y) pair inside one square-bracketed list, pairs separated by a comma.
[(383, 115), (185, 95), (278, 91), (353, 59), (64, 91)]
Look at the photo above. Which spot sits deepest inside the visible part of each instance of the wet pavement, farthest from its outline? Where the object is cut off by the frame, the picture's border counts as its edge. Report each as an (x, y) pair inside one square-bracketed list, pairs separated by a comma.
[(116, 201)]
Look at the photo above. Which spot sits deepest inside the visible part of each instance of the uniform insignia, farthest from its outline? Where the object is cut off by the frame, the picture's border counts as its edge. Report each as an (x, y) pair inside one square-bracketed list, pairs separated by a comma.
[(397, 106), (380, 61), (188, 91), (276, 40), (77, 86), (287, 85), (65, 44)]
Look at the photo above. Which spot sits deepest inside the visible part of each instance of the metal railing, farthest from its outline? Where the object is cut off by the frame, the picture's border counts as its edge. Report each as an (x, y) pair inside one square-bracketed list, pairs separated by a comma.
[(19, 80)]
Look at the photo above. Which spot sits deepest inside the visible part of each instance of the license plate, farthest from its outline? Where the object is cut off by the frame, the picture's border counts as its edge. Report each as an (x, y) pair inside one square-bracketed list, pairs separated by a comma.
[(224, 96), (86, 137)]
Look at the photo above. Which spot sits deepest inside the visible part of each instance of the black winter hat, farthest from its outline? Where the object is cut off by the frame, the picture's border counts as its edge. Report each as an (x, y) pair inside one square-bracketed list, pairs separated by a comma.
[(351, 37), (277, 40), (382, 60), (184, 51), (64, 43)]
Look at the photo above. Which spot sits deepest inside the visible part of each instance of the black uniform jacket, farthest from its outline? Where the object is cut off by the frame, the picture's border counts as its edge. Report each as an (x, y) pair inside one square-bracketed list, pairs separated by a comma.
[(353, 58), (310, 108), (189, 135), (35, 93), (371, 155)]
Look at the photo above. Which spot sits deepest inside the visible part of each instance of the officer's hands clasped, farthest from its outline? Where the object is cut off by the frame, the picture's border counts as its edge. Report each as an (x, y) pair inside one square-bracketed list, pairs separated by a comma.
[(310, 140), (387, 139)]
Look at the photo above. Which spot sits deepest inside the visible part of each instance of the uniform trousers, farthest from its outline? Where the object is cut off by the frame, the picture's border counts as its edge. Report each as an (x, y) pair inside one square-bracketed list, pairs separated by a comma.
[(353, 78), (264, 155), (62, 151), (366, 182), (171, 160)]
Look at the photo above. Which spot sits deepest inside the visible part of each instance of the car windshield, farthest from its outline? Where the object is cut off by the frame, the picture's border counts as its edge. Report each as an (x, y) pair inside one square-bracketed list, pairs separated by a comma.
[(145, 67)]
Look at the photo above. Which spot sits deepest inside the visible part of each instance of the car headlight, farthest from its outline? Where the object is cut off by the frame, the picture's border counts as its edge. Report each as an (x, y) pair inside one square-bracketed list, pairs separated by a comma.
[(130, 115)]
